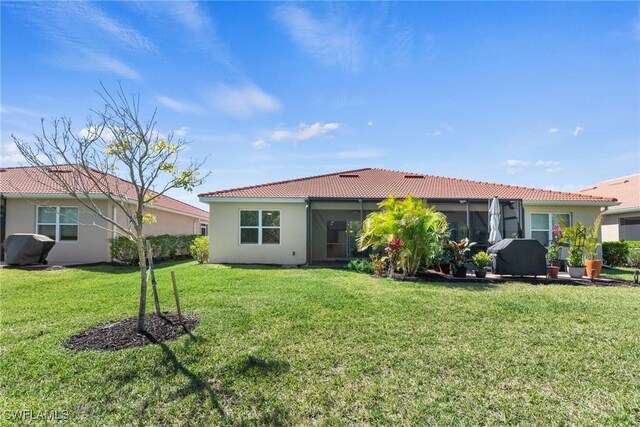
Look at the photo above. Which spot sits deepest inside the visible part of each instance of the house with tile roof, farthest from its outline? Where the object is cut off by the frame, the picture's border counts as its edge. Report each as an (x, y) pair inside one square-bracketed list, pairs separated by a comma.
[(316, 219), (30, 202), (621, 222)]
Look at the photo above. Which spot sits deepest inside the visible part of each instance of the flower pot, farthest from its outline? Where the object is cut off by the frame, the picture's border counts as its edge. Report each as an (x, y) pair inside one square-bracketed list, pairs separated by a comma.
[(552, 271), (593, 264), (575, 272), (459, 271), (445, 268), (481, 273)]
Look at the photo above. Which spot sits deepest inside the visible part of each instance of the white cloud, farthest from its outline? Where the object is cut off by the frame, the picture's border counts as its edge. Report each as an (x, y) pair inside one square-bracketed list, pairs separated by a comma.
[(103, 62), (260, 144), (9, 153), (304, 132), (181, 132), (515, 166), (178, 106), (244, 101), (9, 110), (577, 131), (442, 129), (551, 131), (189, 14), (331, 40), (369, 123)]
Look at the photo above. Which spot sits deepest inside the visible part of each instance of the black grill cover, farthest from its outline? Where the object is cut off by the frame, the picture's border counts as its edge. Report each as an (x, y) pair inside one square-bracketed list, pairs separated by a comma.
[(27, 248), (519, 257)]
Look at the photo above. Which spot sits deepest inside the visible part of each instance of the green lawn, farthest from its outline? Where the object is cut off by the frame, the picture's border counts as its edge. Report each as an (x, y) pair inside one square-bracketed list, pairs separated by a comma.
[(327, 347), (620, 273)]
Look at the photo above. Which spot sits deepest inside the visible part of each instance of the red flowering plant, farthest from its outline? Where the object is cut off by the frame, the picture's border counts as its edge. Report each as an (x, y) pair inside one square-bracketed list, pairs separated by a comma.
[(393, 253), (553, 250)]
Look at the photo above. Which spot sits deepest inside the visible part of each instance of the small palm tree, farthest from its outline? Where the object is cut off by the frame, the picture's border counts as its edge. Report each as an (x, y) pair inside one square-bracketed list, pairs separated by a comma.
[(417, 227)]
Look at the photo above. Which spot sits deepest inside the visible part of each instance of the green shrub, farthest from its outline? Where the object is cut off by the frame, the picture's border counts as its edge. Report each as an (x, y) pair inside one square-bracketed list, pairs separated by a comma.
[(614, 253), (379, 264), (164, 247), (482, 259), (618, 253), (360, 265), (123, 250), (199, 249)]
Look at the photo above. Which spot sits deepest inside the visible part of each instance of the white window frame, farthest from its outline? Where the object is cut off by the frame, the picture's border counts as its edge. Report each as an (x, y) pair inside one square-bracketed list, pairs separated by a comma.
[(550, 230), (204, 227), (260, 227), (58, 223)]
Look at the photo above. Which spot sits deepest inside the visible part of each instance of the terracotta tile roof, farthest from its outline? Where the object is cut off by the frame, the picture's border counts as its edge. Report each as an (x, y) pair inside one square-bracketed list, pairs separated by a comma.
[(374, 183), (626, 189), (31, 181)]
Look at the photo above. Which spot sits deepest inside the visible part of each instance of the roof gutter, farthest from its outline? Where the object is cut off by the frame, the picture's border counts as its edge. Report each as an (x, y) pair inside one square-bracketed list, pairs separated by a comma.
[(206, 199), (598, 203), (621, 211), (59, 196)]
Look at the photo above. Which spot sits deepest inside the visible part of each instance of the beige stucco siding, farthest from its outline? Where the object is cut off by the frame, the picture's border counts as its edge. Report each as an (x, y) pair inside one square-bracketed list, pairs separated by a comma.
[(93, 232), (612, 231), (92, 244), (585, 214), (224, 232)]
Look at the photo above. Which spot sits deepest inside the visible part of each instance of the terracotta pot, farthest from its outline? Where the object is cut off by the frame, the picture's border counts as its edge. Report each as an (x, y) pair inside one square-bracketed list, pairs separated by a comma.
[(445, 268), (593, 264), (481, 273), (552, 271), (575, 272), (459, 271)]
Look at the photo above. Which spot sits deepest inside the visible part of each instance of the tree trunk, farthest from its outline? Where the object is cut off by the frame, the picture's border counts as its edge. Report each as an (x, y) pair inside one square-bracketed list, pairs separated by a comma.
[(143, 284)]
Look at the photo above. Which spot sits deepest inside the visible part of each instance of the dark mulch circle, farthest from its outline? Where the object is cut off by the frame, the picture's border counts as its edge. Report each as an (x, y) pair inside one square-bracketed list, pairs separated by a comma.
[(122, 334)]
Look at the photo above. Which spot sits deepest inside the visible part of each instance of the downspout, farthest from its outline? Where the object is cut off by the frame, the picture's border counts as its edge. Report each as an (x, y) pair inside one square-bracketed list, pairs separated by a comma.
[(3, 224), (523, 227), (468, 221), (309, 242)]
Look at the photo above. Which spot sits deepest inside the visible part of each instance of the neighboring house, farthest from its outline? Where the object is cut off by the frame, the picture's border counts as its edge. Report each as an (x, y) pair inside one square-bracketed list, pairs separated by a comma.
[(316, 219), (30, 203), (620, 222)]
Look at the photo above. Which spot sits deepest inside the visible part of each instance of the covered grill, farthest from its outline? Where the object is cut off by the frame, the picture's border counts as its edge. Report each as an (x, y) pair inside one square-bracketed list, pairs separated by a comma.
[(519, 257), (27, 248)]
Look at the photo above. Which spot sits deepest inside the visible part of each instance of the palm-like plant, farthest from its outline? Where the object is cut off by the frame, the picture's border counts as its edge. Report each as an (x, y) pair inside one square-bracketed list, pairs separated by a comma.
[(418, 227)]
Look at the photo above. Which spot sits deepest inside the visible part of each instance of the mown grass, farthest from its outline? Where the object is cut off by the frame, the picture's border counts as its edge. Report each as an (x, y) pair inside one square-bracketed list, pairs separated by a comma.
[(620, 273), (326, 347)]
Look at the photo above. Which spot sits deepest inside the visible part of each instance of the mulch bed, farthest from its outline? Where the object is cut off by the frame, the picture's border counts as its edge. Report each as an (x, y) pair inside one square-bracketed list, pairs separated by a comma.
[(122, 334)]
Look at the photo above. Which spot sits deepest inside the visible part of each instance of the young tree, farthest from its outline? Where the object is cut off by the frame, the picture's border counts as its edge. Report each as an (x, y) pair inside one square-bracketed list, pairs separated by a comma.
[(416, 228), (118, 155)]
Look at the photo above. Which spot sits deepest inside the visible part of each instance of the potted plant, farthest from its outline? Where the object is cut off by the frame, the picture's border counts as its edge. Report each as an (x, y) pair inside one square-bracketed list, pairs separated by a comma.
[(575, 236), (591, 245), (459, 256), (482, 260), (553, 252), (443, 257)]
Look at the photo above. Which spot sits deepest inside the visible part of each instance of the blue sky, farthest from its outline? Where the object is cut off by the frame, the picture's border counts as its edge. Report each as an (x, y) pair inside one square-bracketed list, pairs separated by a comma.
[(538, 94)]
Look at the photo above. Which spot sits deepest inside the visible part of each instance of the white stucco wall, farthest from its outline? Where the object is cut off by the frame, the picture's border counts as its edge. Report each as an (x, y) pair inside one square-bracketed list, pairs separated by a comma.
[(224, 232), (585, 214), (92, 244), (93, 233)]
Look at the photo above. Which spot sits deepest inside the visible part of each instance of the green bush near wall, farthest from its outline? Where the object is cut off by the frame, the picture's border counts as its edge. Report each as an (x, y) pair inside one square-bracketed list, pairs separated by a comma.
[(164, 247), (617, 253)]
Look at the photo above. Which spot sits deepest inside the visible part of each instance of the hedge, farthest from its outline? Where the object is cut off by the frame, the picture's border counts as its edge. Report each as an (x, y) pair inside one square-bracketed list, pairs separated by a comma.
[(164, 247), (617, 253)]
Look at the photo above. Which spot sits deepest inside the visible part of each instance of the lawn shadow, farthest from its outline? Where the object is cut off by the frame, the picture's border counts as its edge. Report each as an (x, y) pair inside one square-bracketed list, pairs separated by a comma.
[(256, 366), (252, 266), (475, 286), (196, 384)]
